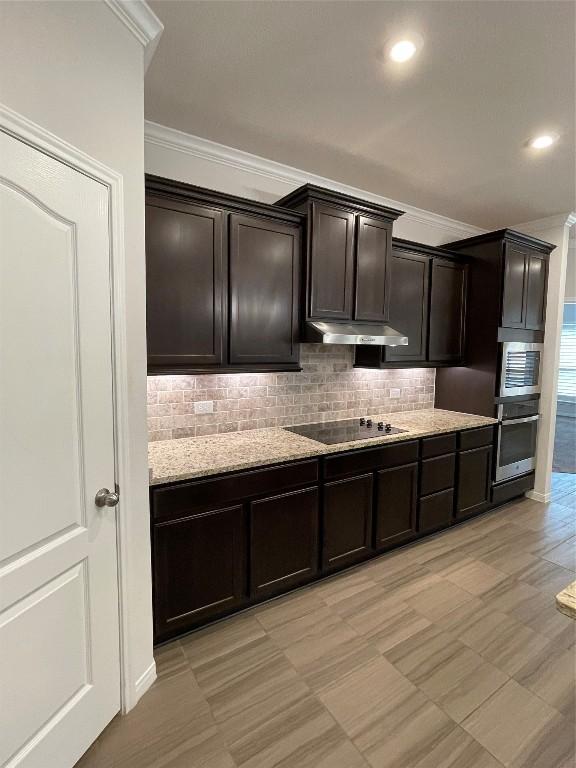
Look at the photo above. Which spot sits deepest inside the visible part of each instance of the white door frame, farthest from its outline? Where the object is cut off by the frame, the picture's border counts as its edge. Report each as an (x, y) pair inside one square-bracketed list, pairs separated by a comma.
[(45, 141)]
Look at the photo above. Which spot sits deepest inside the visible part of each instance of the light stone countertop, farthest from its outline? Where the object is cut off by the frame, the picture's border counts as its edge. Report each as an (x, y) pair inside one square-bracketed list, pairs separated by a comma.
[(192, 457), (566, 600)]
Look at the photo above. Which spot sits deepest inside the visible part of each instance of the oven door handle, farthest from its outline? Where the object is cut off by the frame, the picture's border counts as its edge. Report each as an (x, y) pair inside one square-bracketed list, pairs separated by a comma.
[(521, 421)]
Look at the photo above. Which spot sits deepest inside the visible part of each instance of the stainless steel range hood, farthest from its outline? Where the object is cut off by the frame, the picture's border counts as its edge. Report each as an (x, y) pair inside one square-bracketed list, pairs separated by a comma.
[(322, 332)]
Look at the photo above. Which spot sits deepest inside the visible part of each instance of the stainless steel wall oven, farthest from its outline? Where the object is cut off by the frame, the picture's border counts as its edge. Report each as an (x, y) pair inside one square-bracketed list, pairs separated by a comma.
[(517, 432)]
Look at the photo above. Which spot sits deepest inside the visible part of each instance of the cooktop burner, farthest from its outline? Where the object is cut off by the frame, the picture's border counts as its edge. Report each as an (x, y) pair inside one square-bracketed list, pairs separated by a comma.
[(330, 432)]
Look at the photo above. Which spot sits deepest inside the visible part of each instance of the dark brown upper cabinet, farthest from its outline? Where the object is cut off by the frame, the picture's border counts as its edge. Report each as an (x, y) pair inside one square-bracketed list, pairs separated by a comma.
[(185, 284), (506, 302), (409, 300), (347, 255), (447, 312), (373, 249), (515, 268), (427, 303), (524, 288), (264, 277), (223, 281), (331, 272)]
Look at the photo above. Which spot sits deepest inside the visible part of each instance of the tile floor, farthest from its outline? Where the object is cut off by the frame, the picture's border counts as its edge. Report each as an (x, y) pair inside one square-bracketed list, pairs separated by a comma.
[(447, 654)]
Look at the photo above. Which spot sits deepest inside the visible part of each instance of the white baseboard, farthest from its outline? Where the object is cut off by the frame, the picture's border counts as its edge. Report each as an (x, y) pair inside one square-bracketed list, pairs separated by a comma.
[(536, 496), (143, 684)]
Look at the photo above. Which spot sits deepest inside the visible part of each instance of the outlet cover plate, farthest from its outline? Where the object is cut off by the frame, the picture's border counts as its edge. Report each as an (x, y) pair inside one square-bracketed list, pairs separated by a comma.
[(204, 406)]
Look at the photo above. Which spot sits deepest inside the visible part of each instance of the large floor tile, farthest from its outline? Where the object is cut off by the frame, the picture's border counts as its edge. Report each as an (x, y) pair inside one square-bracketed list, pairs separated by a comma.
[(474, 576), (506, 595), (451, 674), (392, 723), (546, 576), (438, 599), (563, 554), (323, 659), (221, 639), (552, 745), (506, 724), (296, 617), (551, 675), (386, 623), (302, 735), (245, 677)]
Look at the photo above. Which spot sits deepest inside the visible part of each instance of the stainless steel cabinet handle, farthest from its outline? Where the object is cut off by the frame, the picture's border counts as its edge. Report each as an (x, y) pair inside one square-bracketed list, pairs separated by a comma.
[(106, 498), (507, 422)]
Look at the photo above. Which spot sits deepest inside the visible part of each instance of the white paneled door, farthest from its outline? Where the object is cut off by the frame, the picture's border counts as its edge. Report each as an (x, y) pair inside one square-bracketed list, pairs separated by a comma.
[(59, 636)]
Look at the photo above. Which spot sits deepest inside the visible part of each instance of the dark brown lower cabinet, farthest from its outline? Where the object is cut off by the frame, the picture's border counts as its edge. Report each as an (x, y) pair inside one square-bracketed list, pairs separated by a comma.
[(474, 473), (226, 542), (396, 499), (199, 569), (283, 541), (347, 521), (436, 511)]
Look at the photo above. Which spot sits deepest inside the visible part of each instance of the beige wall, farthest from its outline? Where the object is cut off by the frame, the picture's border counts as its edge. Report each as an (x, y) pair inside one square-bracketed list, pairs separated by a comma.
[(570, 291), (76, 70)]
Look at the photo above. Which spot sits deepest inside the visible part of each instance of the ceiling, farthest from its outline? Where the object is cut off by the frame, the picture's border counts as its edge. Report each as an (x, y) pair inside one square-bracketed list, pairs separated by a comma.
[(307, 84)]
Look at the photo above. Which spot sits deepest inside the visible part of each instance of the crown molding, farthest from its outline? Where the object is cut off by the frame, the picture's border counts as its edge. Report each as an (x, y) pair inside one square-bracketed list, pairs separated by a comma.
[(549, 222), (178, 141), (142, 22)]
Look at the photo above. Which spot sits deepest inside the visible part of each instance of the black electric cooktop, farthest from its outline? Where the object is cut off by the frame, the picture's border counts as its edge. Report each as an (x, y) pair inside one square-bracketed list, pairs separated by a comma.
[(347, 430)]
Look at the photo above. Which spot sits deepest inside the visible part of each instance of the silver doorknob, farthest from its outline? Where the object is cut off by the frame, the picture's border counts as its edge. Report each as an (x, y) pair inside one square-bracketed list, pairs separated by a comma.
[(106, 498)]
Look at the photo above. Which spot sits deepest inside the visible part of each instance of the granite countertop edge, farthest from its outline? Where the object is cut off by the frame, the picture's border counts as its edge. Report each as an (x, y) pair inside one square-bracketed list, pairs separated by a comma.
[(173, 461), (566, 600)]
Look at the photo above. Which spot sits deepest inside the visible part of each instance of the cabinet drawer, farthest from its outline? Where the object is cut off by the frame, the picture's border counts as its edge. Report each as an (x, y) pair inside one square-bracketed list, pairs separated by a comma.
[(359, 461), (437, 474), (436, 446), (475, 438), (436, 511), (181, 500)]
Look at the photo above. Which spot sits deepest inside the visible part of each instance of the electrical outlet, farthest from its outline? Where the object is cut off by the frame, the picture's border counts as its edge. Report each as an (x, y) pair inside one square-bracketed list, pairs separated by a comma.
[(394, 393), (204, 406)]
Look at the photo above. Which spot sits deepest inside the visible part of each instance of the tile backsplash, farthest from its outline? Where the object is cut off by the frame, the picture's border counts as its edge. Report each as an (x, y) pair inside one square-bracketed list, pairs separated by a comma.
[(327, 388)]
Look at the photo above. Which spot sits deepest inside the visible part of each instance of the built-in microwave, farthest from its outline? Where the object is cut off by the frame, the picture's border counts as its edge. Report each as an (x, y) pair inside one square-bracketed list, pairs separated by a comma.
[(517, 433), (520, 368)]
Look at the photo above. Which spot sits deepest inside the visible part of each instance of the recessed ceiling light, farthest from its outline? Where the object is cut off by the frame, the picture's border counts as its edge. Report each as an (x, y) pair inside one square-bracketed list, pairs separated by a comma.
[(543, 142), (402, 50)]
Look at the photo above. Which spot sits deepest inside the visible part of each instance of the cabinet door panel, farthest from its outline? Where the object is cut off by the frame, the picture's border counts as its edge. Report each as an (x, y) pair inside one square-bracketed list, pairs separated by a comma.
[(264, 275), (513, 296), (331, 269), (185, 285), (199, 569), (409, 281), (474, 475), (347, 516), (374, 239), (284, 541), (535, 311), (396, 505), (447, 311), (436, 511)]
